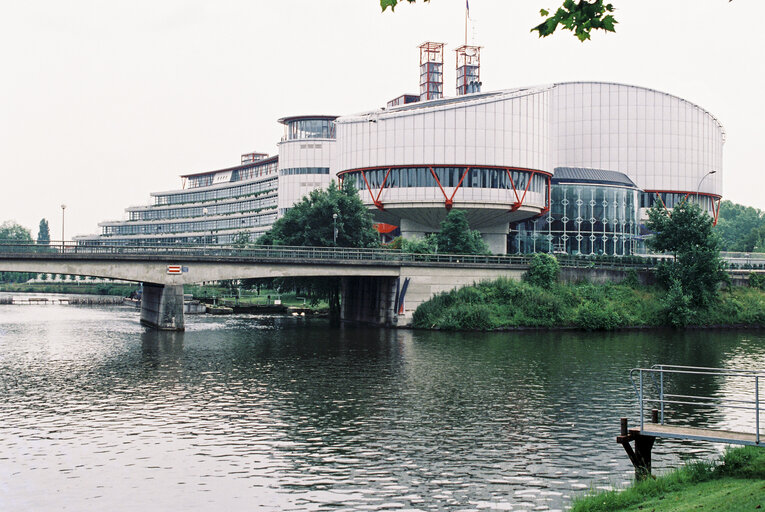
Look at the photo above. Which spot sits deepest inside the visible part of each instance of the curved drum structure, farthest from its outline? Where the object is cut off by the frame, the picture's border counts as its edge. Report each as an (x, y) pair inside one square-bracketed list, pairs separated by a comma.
[(666, 145), (305, 153), (487, 154)]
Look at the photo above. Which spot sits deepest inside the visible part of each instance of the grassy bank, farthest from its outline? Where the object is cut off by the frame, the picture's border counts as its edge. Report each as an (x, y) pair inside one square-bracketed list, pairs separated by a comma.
[(734, 483), (505, 303)]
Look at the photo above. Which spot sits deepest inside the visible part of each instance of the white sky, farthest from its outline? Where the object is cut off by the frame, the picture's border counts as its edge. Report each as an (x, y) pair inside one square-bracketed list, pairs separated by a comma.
[(103, 102)]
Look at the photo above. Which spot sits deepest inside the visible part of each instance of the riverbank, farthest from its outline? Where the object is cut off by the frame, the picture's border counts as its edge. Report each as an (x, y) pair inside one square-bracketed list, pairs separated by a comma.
[(508, 304), (74, 288), (736, 482)]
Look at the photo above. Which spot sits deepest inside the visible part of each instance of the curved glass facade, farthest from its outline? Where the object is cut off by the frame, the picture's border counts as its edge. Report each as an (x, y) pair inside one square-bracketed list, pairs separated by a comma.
[(583, 220), (309, 129), (476, 177), (672, 199)]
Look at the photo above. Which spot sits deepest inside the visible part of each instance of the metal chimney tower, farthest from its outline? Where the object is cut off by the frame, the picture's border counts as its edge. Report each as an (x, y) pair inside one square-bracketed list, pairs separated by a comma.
[(468, 69), (431, 71)]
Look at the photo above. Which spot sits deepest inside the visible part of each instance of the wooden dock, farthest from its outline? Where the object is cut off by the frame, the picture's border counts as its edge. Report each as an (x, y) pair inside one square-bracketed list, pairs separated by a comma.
[(700, 434)]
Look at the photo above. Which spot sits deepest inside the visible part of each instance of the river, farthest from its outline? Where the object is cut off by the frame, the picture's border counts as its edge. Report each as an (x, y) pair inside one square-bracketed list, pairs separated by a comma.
[(262, 413)]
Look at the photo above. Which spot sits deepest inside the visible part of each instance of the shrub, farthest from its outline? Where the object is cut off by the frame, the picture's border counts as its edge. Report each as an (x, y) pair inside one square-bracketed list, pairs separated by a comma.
[(757, 280), (677, 306), (632, 279), (543, 271), (593, 316)]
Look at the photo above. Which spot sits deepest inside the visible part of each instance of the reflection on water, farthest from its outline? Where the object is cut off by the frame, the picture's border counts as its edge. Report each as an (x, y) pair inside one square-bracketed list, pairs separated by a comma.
[(250, 413)]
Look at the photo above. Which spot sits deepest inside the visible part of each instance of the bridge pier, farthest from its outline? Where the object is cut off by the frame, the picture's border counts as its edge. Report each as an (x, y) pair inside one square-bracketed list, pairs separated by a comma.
[(368, 300), (162, 306)]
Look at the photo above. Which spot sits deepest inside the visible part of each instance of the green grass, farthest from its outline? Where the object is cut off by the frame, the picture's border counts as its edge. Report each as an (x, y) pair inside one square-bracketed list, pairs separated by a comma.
[(506, 303), (735, 482)]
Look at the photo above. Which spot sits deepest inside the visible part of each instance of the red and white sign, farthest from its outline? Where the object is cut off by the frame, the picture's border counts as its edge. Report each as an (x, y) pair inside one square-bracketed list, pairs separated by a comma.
[(174, 269)]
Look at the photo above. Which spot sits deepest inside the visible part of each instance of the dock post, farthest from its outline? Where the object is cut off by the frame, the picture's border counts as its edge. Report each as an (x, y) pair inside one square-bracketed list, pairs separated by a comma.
[(643, 446), (641, 455)]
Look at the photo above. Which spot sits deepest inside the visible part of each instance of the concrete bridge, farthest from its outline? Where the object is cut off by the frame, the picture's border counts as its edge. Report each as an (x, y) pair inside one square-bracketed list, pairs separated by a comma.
[(378, 286)]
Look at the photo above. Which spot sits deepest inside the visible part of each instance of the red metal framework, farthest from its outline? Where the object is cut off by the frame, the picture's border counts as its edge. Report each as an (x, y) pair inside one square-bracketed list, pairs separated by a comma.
[(431, 70), (468, 69), (715, 199), (520, 196)]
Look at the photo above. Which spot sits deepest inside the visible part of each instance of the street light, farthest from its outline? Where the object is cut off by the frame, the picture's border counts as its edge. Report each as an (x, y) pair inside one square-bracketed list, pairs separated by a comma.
[(334, 230), (63, 208), (698, 189)]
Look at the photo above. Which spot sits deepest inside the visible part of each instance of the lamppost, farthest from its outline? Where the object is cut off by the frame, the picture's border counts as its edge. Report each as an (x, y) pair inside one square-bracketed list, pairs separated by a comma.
[(334, 228), (63, 237), (698, 189)]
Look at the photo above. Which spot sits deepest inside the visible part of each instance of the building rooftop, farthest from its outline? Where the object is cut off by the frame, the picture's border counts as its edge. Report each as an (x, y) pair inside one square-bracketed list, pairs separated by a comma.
[(595, 176)]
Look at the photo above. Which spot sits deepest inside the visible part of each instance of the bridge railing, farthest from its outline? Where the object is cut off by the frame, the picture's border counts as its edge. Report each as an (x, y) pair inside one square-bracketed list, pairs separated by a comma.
[(653, 391), (288, 253)]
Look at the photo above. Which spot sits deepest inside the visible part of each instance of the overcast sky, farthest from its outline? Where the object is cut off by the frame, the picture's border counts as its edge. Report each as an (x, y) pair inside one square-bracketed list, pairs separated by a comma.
[(103, 102)]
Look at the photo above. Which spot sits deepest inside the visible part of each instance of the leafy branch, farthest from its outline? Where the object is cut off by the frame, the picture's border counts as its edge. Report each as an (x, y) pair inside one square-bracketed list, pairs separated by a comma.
[(579, 17)]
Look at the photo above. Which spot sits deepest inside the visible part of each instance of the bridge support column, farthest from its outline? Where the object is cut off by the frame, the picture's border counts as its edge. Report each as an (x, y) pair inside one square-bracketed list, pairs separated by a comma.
[(368, 300), (496, 237), (162, 306)]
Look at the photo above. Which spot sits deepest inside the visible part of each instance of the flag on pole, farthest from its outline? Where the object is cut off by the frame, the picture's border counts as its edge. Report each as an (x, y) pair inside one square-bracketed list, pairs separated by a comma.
[(467, 7)]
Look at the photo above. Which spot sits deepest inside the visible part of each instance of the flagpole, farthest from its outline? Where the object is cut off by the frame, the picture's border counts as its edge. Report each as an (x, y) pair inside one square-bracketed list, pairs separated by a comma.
[(466, 18)]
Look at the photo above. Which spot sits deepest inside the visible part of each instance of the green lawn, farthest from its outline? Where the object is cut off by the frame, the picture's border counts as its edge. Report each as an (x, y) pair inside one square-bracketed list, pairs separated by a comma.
[(736, 482), (728, 494)]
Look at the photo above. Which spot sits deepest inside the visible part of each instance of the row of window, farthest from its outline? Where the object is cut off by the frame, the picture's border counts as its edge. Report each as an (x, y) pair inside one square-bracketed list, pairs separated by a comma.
[(222, 239), (309, 129), (672, 199), (191, 226), (212, 209), (304, 170), (247, 173), (448, 177), (220, 193)]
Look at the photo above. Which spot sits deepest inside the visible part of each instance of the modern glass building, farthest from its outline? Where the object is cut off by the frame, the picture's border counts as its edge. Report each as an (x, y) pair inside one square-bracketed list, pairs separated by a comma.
[(567, 168), (592, 212)]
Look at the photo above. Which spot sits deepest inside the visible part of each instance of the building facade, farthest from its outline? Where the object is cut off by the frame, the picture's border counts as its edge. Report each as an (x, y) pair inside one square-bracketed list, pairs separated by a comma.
[(568, 167)]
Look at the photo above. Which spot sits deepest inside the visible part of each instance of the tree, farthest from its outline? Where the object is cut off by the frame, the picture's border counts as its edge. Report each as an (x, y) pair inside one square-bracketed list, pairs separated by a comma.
[(580, 17), (13, 232), (456, 237), (310, 222), (688, 235), (43, 233), (741, 228)]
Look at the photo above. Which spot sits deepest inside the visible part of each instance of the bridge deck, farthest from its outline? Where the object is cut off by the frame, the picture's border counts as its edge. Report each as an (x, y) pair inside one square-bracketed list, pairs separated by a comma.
[(703, 434)]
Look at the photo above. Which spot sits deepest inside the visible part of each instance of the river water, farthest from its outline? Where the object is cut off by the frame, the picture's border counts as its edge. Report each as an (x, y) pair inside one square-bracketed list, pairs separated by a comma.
[(263, 413)]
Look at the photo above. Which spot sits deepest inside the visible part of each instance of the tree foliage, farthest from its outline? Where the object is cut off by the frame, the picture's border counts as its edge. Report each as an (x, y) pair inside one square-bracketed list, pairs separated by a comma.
[(13, 232), (580, 17), (687, 234), (43, 233), (741, 228), (456, 237), (543, 271), (310, 222)]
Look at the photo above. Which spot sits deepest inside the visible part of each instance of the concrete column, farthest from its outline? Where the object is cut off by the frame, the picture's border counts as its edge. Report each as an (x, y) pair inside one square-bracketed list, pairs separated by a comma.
[(162, 306), (496, 237), (411, 230)]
